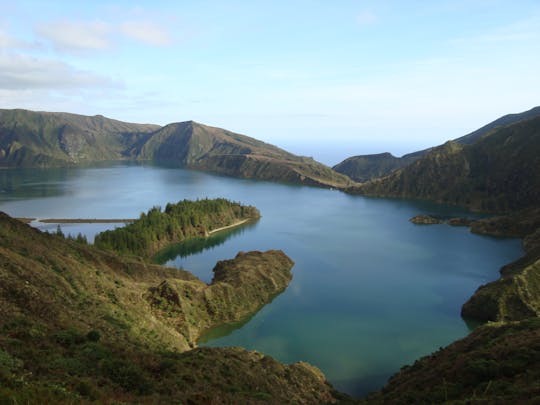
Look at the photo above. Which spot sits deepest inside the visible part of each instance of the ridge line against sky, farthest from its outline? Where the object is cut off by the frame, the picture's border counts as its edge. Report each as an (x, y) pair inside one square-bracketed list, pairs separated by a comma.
[(325, 79)]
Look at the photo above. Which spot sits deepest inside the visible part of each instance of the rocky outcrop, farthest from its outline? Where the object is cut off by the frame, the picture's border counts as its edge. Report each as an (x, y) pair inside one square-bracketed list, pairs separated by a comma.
[(425, 220), (240, 287), (431, 220)]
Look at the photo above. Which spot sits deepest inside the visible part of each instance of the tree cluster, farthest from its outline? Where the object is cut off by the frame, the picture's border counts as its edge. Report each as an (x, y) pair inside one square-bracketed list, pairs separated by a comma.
[(184, 220)]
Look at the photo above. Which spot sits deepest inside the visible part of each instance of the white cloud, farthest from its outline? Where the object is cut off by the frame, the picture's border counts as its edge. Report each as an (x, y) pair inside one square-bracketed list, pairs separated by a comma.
[(21, 72), (366, 17), (9, 42), (146, 32), (99, 35), (82, 35)]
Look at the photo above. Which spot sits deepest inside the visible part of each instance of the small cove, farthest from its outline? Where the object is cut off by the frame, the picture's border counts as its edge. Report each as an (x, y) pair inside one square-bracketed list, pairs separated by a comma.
[(371, 292)]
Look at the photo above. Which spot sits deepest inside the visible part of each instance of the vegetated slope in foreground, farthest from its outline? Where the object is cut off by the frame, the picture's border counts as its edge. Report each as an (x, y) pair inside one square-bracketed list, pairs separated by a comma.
[(495, 364), (41, 139), (79, 324), (499, 172), (32, 139), (367, 167), (186, 219)]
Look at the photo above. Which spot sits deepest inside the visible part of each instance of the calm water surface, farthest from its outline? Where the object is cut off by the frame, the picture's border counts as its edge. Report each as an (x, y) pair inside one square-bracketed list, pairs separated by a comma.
[(370, 291)]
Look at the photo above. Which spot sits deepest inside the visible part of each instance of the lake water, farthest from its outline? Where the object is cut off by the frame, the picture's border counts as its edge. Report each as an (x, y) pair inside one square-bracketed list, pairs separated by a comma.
[(370, 293)]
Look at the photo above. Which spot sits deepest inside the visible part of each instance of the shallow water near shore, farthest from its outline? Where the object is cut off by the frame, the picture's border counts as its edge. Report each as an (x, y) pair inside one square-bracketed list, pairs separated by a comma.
[(371, 292)]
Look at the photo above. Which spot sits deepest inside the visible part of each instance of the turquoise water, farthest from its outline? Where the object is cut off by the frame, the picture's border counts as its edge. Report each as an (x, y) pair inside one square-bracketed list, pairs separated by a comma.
[(371, 292)]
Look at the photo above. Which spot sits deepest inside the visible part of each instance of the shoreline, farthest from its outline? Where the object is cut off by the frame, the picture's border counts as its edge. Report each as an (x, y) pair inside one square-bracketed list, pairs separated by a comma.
[(75, 220), (208, 233)]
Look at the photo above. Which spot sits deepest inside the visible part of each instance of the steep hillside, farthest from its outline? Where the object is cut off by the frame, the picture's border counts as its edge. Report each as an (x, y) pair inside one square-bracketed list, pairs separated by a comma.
[(495, 364), (499, 172), (79, 324), (367, 167), (505, 120), (29, 138), (516, 295), (217, 150)]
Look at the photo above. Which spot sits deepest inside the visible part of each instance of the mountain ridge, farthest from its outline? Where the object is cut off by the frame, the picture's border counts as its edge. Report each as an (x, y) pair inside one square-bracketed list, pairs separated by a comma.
[(497, 173), (42, 139), (363, 168)]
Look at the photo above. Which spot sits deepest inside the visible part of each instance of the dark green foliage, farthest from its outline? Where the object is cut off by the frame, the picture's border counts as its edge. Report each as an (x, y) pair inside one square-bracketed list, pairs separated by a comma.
[(59, 231), (187, 219), (93, 336), (494, 364), (127, 374), (69, 337)]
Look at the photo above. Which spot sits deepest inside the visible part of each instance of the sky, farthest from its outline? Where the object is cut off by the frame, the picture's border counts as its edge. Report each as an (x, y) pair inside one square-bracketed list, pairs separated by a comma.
[(328, 79)]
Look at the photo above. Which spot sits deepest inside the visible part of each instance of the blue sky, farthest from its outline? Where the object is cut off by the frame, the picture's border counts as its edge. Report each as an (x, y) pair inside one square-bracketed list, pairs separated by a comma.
[(328, 79)]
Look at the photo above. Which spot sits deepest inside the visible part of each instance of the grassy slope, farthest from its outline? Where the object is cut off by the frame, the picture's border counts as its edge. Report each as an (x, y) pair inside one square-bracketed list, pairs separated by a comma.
[(497, 173), (79, 324), (367, 167)]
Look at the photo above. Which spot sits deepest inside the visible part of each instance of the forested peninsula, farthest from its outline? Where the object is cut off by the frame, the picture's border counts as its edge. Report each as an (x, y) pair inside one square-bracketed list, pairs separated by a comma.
[(179, 222)]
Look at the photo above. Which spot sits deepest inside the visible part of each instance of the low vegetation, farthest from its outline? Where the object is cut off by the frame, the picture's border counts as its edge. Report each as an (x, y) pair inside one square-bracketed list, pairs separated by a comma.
[(81, 325)]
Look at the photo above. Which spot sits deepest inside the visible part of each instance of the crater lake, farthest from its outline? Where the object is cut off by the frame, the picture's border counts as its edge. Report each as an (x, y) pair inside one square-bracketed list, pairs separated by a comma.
[(370, 293)]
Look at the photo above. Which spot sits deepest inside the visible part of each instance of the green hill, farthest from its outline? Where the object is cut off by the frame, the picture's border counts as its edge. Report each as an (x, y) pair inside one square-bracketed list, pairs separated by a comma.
[(41, 139), (31, 139), (79, 325), (497, 173), (367, 167)]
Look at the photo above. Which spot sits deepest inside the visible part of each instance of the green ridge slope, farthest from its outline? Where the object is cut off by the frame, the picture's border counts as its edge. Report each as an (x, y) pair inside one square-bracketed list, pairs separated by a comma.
[(367, 167), (497, 173)]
